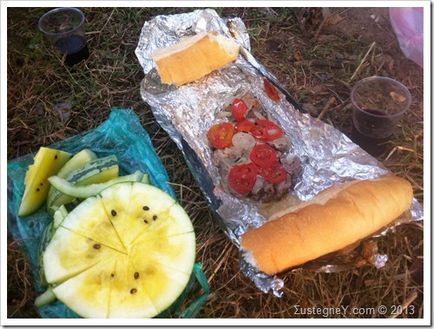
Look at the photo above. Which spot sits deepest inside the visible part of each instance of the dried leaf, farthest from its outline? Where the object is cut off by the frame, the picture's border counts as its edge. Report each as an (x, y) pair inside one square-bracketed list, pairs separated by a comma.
[(397, 97), (298, 56)]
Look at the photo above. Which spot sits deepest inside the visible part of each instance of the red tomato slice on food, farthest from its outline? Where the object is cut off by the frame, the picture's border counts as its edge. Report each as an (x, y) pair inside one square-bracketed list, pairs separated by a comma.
[(274, 175), (220, 135), (245, 126), (264, 156), (239, 109), (266, 130), (272, 131), (271, 91), (242, 177)]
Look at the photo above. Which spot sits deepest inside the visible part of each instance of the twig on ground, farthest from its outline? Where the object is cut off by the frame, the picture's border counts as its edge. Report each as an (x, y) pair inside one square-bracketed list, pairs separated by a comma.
[(326, 108), (362, 61)]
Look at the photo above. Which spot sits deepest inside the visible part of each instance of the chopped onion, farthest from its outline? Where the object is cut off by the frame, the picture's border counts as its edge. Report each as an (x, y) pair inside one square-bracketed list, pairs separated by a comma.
[(243, 141), (259, 184)]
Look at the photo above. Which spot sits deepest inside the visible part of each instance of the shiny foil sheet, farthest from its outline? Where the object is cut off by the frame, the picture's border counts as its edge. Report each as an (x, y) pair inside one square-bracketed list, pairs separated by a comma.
[(186, 113)]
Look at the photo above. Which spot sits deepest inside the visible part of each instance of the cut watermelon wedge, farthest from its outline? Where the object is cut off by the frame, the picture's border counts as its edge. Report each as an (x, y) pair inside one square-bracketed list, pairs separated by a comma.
[(132, 244), (133, 208), (94, 288), (69, 254), (89, 220)]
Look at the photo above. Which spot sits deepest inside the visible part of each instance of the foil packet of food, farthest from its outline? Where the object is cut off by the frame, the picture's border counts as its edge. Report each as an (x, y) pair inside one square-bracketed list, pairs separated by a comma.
[(186, 113)]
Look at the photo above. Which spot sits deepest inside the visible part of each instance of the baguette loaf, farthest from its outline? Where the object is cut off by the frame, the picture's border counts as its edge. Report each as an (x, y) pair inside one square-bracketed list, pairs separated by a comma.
[(194, 57), (335, 218)]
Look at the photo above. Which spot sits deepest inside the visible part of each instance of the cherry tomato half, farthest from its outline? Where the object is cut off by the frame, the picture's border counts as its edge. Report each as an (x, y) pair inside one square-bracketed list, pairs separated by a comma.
[(239, 109), (242, 177), (271, 91), (264, 156), (266, 130), (220, 135), (274, 175), (245, 126)]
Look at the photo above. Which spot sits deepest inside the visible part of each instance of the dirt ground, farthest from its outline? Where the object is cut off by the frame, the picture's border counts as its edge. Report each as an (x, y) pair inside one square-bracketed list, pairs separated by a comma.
[(317, 59)]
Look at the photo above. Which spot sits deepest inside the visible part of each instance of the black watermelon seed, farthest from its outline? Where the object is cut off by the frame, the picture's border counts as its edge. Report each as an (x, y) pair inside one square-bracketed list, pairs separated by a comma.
[(145, 221), (112, 275), (154, 217), (96, 246), (133, 291), (41, 184), (37, 190), (55, 157), (113, 213), (145, 208), (136, 275)]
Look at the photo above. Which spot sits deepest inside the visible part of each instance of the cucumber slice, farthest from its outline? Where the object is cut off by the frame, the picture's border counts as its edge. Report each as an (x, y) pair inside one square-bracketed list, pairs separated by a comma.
[(78, 161), (97, 171), (145, 179), (46, 298), (83, 192)]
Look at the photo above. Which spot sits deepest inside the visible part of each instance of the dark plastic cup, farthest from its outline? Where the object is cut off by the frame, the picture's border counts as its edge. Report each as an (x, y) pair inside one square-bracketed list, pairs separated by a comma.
[(379, 103), (64, 27)]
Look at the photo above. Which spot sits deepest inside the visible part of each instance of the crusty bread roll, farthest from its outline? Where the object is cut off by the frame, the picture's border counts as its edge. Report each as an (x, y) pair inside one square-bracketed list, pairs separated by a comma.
[(194, 57), (335, 218)]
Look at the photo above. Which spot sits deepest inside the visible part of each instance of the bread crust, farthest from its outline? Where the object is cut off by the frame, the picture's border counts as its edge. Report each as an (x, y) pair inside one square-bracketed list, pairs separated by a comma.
[(194, 57), (336, 218)]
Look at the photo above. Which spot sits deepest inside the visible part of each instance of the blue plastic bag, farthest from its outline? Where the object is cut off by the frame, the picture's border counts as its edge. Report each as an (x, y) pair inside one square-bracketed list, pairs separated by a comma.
[(121, 135)]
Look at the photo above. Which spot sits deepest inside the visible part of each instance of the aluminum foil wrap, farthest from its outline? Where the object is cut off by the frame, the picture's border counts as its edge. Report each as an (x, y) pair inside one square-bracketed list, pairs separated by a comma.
[(186, 113)]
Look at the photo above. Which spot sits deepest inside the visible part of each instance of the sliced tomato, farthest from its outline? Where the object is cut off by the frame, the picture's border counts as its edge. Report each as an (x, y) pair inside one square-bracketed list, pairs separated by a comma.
[(264, 156), (239, 109), (271, 91), (220, 135), (266, 130), (274, 175), (245, 126), (242, 177)]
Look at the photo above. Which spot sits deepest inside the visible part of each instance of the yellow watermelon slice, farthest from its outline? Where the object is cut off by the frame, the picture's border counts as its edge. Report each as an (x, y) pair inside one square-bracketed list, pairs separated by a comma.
[(47, 162), (143, 260)]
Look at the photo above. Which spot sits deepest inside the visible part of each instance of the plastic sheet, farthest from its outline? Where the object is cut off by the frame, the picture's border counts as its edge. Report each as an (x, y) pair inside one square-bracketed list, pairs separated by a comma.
[(408, 26), (123, 136)]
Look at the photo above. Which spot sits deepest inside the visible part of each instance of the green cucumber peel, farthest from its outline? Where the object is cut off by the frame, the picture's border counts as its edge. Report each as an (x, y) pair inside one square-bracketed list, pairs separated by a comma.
[(145, 179), (78, 161), (95, 167), (58, 217), (87, 191)]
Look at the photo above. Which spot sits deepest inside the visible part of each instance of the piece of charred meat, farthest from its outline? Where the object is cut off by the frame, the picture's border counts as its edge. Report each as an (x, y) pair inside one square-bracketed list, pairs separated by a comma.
[(292, 164), (281, 144)]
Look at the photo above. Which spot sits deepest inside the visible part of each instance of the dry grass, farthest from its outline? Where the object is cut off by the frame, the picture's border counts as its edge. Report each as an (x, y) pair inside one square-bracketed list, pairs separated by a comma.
[(316, 73)]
